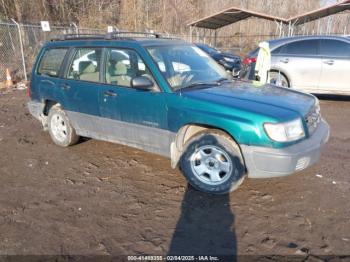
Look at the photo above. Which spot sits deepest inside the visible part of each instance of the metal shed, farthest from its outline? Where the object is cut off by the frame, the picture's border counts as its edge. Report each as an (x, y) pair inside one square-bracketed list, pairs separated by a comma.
[(230, 16), (235, 14), (320, 13)]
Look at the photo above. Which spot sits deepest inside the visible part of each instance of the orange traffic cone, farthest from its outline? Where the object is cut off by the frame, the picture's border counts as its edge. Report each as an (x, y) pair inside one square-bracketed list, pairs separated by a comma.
[(8, 78)]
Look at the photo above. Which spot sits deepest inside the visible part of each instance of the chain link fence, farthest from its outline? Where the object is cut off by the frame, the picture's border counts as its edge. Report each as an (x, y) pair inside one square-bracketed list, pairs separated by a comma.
[(15, 38), (10, 51), (20, 44)]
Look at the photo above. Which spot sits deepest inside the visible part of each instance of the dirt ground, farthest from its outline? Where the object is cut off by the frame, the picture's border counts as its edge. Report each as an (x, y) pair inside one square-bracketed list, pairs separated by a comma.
[(99, 198)]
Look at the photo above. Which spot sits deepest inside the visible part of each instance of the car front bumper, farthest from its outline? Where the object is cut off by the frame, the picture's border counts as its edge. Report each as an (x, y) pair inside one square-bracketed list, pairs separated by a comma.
[(263, 162)]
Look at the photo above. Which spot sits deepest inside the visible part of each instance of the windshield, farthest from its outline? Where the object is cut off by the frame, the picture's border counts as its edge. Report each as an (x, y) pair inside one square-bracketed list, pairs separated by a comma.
[(185, 65)]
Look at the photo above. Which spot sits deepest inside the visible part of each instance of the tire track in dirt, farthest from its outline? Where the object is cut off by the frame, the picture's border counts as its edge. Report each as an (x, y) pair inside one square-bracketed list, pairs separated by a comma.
[(102, 198)]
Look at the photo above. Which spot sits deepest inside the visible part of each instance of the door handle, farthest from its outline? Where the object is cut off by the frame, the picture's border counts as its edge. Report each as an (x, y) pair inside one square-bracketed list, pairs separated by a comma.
[(329, 62), (65, 86), (286, 61), (110, 93), (48, 82)]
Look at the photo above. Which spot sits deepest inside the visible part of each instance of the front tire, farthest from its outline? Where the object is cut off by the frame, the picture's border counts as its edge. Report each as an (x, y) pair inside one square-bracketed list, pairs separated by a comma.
[(61, 131), (212, 162)]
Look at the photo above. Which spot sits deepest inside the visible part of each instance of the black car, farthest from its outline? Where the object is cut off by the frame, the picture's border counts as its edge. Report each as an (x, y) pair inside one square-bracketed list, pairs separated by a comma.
[(229, 61)]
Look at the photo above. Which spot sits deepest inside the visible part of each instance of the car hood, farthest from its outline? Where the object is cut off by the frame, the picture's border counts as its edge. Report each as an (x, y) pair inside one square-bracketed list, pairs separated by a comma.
[(269, 100), (230, 55)]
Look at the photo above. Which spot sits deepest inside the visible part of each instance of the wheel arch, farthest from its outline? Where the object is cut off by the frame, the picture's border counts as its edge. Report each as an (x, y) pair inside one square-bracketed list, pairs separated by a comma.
[(186, 132), (48, 104), (286, 75)]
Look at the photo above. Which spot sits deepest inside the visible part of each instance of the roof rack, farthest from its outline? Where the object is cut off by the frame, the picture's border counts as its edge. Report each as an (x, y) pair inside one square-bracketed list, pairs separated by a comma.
[(132, 34), (108, 36)]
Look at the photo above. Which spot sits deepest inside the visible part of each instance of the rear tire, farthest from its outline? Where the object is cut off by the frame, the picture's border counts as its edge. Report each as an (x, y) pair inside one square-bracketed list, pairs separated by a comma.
[(61, 131), (212, 163)]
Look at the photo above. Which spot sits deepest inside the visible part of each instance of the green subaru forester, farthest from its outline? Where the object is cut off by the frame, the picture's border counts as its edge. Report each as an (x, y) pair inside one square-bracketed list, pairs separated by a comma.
[(168, 97)]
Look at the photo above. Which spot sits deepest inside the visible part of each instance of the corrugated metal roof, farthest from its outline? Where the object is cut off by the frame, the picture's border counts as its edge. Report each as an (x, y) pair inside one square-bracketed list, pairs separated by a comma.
[(235, 14), (320, 13), (230, 16)]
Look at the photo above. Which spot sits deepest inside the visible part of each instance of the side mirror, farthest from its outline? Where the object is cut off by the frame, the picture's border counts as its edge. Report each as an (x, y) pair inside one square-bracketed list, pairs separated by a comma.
[(142, 83)]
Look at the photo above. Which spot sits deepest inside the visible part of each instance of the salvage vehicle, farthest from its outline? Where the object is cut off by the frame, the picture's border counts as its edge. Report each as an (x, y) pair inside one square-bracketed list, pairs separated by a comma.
[(230, 62), (314, 64), (168, 97)]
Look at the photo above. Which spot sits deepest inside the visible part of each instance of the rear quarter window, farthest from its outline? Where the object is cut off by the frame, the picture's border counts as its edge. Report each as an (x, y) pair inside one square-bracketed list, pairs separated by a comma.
[(51, 62)]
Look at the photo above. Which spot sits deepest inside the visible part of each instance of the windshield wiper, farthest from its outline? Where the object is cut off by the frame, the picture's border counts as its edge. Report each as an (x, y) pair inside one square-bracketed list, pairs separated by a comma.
[(195, 84), (202, 83)]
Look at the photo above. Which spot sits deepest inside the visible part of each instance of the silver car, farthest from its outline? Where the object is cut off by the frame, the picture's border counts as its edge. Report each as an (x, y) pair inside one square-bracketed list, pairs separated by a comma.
[(314, 64)]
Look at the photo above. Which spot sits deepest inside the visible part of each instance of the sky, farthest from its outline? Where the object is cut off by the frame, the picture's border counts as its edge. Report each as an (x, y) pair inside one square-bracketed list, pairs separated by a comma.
[(328, 2)]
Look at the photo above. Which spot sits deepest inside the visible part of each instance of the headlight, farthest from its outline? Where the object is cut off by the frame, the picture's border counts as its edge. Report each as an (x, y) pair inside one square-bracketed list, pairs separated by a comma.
[(285, 132), (228, 59)]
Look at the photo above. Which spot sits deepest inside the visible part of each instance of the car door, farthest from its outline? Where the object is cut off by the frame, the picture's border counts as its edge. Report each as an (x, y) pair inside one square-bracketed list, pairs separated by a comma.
[(300, 62), (133, 117), (47, 77), (335, 66), (80, 86)]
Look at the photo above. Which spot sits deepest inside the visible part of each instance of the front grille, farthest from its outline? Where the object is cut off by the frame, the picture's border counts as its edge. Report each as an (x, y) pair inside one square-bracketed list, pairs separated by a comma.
[(313, 118)]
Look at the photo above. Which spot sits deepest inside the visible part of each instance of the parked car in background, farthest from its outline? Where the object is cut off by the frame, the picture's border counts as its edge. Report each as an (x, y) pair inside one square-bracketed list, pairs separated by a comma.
[(229, 61), (314, 64), (170, 98)]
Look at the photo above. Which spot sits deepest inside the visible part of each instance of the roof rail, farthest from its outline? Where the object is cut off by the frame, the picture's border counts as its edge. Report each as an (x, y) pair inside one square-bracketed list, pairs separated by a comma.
[(108, 36), (77, 37), (132, 34)]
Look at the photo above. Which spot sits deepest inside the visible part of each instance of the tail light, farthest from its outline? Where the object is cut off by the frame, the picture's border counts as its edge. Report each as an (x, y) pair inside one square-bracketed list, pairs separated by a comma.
[(28, 88), (249, 60)]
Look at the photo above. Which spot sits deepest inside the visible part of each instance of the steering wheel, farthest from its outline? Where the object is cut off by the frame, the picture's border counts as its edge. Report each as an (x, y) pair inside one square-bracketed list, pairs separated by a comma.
[(188, 76)]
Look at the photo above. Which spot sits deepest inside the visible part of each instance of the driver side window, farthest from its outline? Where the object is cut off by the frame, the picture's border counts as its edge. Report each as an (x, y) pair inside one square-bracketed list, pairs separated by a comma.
[(123, 65)]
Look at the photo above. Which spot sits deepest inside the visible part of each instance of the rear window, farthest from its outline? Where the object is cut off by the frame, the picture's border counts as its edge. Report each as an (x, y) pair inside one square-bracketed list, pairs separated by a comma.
[(253, 53), (51, 62), (305, 47), (334, 48)]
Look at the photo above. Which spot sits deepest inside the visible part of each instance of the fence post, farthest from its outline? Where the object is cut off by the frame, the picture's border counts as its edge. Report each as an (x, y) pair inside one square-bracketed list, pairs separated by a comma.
[(215, 38), (21, 45), (191, 34), (76, 28)]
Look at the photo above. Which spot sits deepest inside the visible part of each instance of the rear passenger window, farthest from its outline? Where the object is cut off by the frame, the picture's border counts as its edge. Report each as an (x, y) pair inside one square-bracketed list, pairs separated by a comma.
[(334, 48), (86, 65), (51, 62), (123, 65), (305, 47)]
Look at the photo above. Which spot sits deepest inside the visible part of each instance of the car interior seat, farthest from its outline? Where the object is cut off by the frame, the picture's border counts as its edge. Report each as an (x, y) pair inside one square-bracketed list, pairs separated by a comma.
[(118, 74), (87, 71)]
